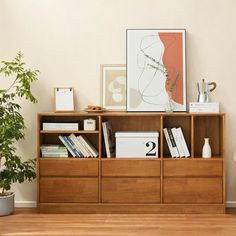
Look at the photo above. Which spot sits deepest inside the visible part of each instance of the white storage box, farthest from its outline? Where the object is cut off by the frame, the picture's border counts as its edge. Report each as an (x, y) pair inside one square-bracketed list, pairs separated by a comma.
[(137, 144), (61, 126)]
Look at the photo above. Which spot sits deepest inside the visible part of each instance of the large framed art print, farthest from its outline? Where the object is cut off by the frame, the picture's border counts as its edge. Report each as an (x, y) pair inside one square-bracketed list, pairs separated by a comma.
[(156, 69)]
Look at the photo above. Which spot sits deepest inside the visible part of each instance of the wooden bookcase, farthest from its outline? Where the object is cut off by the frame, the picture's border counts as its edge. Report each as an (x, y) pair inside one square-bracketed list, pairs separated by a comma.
[(135, 185)]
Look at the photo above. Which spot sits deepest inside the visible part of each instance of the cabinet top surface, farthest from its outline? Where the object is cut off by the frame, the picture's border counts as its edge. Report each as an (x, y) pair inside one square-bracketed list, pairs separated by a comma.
[(124, 113)]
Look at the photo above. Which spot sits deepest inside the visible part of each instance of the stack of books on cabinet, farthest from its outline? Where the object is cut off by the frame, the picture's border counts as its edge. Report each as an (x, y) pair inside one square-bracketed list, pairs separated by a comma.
[(176, 142), (54, 151)]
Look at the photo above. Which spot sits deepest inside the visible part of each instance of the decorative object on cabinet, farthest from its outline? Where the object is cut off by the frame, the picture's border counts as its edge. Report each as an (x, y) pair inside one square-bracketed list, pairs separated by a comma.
[(206, 150), (156, 70), (204, 91), (135, 185), (203, 104), (94, 109), (113, 86), (89, 124), (64, 99)]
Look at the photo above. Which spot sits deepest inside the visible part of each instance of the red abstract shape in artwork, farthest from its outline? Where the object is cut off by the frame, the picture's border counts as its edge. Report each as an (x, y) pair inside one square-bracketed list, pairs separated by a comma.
[(173, 62)]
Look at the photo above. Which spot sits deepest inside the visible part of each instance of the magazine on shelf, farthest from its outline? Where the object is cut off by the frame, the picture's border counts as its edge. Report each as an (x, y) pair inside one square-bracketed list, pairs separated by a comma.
[(109, 138)]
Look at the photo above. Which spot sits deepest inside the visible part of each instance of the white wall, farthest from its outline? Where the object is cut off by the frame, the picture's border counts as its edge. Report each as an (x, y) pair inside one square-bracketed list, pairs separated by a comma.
[(67, 40)]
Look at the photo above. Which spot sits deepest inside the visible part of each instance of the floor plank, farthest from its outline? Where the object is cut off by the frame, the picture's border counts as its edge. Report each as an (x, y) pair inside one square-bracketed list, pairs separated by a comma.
[(28, 222)]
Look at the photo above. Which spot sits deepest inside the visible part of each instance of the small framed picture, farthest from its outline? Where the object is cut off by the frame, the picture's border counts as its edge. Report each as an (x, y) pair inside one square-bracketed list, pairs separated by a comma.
[(113, 86), (156, 70), (64, 99)]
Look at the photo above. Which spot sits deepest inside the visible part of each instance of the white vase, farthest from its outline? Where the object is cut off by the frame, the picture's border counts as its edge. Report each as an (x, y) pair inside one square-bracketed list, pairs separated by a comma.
[(206, 150)]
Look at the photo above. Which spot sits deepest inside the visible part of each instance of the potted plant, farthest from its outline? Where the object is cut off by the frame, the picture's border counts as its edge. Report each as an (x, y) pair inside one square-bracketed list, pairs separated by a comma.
[(12, 168)]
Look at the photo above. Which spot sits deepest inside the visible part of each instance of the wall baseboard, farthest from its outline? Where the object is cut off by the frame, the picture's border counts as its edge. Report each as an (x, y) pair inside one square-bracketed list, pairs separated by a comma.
[(28, 204), (33, 204), (231, 204)]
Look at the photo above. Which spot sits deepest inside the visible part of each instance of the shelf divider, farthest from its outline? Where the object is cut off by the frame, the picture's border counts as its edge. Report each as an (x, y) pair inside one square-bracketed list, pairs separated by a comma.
[(192, 137)]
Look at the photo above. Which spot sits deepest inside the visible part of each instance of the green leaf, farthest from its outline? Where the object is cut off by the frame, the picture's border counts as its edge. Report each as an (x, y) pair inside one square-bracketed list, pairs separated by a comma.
[(174, 82)]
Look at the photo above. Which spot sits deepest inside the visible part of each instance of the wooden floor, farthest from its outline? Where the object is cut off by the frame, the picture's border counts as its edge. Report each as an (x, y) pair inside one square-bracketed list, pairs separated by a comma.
[(28, 222)]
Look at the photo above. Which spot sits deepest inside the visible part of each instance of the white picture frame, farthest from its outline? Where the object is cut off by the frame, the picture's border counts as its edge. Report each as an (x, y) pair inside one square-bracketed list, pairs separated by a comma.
[(64, 99)]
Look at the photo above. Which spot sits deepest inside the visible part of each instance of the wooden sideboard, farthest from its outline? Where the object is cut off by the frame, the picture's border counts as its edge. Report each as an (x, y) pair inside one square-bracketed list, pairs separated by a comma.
[(135, 185)]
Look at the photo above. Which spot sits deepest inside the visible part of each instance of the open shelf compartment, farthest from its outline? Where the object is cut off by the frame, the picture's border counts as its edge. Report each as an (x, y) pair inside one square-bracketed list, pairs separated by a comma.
[(208, 127), (133, 124), (184, 122)]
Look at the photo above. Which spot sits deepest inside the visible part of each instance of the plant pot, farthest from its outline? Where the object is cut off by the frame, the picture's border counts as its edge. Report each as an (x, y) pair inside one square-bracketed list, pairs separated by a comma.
[(7, 204)]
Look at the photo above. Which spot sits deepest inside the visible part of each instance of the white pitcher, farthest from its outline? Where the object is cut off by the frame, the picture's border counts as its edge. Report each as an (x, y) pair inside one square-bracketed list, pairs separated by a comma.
[(204, 90)]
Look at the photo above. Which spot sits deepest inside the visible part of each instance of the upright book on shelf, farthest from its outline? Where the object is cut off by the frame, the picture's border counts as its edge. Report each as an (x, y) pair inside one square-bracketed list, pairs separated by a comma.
[(183, 142), (178, 142), (173, 143), (109, 138), (169, 142)]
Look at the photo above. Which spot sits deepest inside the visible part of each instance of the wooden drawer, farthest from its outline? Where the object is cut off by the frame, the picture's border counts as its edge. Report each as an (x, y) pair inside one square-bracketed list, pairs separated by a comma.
[(193, 190), (55, 189), (204, 168), (67, 167), (130, 190), (129, 168)]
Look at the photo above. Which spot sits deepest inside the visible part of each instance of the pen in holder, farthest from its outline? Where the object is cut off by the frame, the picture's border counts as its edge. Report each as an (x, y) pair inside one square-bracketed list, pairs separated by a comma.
[(204, 90)]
